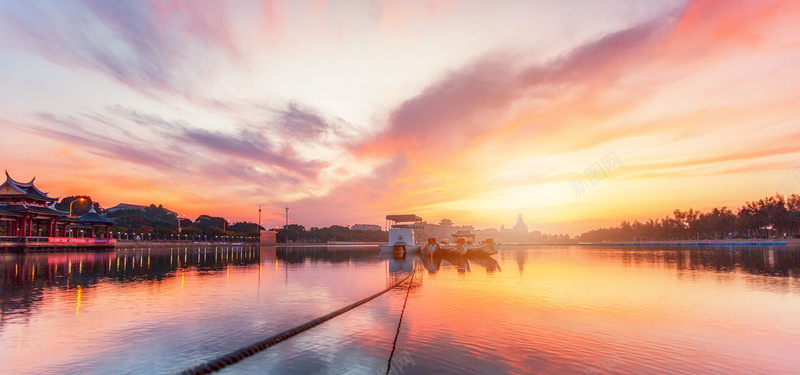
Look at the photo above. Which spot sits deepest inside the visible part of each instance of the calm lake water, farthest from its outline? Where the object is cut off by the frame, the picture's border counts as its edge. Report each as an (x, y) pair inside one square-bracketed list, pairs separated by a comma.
[(531, 310)]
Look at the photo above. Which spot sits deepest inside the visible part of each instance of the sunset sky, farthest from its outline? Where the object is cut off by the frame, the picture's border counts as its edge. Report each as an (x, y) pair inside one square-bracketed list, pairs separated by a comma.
[(345, 111)]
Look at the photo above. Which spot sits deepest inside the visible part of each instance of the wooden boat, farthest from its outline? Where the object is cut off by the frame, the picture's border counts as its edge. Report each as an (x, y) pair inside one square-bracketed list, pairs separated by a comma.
[(430, 248), (486, 248), (458, 248), (462, 239)]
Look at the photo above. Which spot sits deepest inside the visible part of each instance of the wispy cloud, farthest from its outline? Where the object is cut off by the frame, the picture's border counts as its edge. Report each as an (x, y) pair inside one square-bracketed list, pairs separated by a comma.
[(467, 104), (118, 133), (143, 45)]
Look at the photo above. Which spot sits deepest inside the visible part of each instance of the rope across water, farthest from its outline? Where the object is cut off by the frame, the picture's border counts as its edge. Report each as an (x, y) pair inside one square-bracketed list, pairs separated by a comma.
[(238, 355), (399, 323)]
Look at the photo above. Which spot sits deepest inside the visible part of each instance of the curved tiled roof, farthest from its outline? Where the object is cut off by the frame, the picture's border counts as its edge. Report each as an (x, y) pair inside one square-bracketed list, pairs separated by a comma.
[(17, 209), (463, 233), (94, 218), (26, 189)]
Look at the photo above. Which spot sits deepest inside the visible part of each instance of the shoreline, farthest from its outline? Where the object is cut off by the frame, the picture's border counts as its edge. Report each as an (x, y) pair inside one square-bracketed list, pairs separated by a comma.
[(792, 243), (789, 242), (200, 244)]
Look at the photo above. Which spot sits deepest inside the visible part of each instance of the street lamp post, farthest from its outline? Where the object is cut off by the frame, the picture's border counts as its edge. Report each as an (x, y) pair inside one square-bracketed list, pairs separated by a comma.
[(73, 202)]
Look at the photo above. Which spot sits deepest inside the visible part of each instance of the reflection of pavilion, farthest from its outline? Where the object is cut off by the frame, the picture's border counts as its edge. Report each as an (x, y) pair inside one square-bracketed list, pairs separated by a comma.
[(24, 278), (28, 218)]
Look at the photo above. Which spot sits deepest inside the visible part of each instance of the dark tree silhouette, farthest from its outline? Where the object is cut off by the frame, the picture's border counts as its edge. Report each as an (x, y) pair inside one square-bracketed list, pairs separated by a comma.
[(766, 218)]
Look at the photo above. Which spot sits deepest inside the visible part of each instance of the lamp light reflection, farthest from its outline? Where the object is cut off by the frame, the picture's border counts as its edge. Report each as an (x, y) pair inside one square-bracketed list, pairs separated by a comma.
[(78, 301)]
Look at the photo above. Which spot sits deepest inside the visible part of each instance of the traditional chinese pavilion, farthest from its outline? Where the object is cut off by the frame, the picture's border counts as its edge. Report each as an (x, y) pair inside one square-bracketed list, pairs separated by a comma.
[(28, 215)]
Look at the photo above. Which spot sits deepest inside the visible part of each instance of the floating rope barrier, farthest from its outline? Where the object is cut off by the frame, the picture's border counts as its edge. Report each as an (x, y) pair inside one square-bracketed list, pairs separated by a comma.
[(403, 311), (238, 355)]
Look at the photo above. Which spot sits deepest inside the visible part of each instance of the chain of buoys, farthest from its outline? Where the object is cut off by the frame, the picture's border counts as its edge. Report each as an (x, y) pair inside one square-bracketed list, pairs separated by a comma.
[(238, 355), (403, 311)]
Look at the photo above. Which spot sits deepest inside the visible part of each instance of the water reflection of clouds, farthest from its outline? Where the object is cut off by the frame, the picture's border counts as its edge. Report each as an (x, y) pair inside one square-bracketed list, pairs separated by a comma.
[(627, 297)]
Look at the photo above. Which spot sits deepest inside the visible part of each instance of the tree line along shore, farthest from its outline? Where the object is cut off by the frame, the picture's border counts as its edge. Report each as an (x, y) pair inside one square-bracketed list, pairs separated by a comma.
[(775, 216), (771, 217)]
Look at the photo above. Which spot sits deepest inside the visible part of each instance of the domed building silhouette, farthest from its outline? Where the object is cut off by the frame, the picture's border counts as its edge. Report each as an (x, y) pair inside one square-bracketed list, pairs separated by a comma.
[(520, 226)]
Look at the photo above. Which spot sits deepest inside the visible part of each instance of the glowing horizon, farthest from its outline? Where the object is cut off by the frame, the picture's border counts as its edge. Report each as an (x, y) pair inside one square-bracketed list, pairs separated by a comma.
[(347, 111)]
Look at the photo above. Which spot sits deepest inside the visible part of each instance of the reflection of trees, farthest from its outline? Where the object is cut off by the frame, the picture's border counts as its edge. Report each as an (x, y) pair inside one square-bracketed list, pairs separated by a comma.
[(296, 255), (754, 260), (24, 277)]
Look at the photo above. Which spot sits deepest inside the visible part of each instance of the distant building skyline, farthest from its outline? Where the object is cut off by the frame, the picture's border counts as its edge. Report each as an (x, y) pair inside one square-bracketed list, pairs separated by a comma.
[(373, 227)]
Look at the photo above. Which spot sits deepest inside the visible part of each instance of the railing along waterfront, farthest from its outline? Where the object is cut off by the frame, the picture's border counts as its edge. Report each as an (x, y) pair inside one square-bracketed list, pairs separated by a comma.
[(82, 240)]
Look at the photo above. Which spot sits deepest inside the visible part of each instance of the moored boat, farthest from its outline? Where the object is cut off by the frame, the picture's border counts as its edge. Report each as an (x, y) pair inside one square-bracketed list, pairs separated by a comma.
[(462, 240), (430, 248), (401, 236), (486, 248), (458, 248)]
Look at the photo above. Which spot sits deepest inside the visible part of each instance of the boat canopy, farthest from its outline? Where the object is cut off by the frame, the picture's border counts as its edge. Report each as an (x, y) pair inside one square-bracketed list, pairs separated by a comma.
[(412, 226), (403, 218), (464, 234)]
